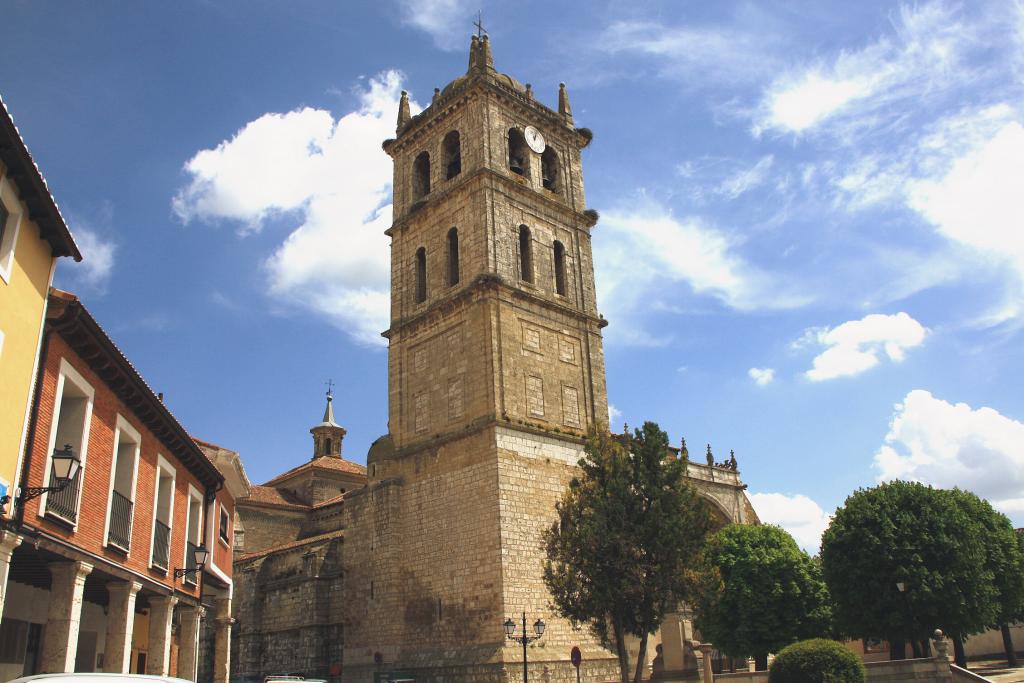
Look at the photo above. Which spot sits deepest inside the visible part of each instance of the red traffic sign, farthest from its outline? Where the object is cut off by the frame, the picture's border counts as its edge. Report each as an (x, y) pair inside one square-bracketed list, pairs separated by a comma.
[(576, 657)]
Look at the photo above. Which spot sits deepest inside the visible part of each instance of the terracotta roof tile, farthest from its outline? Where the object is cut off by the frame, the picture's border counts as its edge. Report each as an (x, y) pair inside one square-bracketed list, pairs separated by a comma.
[(288, 546), (330, 463), (267, 495), (330, 501)]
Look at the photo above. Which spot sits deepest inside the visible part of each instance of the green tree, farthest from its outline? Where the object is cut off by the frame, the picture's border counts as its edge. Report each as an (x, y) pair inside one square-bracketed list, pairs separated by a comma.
[(1004, 558), (759, 592), (925, 540), (620, 554)]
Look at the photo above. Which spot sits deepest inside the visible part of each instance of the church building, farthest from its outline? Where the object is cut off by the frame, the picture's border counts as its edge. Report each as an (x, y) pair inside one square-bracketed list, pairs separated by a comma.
[(409, 569)]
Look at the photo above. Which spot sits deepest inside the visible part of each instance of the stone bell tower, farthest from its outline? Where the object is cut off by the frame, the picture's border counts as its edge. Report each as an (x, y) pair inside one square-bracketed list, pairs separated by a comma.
[(495, 371)]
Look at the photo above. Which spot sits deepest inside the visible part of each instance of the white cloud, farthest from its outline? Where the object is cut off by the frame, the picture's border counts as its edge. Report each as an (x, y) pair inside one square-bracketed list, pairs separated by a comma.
[(923, 55), (978, 202), (947, 445), (333, 177), (799, 515), (761, 376), (707, 53), (645, 249), (97, 264), (746, 179), (857, 345), (441, 19), (613, 415)]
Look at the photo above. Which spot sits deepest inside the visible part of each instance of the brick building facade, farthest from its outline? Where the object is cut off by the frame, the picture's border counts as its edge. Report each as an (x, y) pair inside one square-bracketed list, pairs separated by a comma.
[(95, 587)]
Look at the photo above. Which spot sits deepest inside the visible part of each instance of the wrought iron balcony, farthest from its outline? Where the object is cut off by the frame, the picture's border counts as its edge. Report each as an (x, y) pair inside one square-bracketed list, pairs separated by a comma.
[(190, 563), (161, 545), (64, 503), (120, 533)]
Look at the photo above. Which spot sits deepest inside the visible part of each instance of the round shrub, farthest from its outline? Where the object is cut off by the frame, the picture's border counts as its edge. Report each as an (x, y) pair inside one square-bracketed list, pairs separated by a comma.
[(817, 661)]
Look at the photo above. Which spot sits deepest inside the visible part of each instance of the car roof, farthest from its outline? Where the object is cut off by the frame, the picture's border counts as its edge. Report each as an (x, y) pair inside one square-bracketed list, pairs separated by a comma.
[(80, 677)]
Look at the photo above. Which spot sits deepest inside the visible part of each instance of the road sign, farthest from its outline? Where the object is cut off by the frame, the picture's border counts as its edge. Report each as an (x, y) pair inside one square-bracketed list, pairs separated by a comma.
[(576, 657)]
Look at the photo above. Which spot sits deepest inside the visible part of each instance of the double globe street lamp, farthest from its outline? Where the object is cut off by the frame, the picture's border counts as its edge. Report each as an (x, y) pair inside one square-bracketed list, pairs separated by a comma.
[(525, 639)]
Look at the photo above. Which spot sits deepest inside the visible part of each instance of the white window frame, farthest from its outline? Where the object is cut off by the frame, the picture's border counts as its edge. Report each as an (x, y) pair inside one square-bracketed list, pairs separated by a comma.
[(221, 510), (122, 425), (193, 494), (10, 237), (163, 464), (67, 373)]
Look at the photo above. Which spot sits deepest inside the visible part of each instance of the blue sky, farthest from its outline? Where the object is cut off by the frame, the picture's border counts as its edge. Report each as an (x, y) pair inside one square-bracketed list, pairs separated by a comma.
[(811, 248)]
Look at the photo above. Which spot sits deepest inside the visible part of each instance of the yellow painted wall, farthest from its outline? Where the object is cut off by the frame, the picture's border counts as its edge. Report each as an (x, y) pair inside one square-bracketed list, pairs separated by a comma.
[(22, 302)]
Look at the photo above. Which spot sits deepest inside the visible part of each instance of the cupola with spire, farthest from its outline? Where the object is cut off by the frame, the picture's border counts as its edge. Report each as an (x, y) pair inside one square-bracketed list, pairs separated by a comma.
[(327, 435)]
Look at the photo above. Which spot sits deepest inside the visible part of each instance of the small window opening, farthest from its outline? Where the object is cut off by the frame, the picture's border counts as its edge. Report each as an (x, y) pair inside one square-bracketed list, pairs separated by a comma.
[(518, 157), (453, 256), (327, 447), (525, 254), (452, 155), (559, 268), (421, 176), (549, 170), (421, 275)]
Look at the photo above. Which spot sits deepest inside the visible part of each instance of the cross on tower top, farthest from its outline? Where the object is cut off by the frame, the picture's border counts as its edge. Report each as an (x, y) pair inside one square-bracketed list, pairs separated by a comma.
[(479, 23), (330, 386)]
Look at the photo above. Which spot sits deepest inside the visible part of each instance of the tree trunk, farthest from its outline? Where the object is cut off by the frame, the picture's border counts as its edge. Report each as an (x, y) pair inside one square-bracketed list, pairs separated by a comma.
[(620, 650), (1011, 653), (641, 660), (761, 662), (915, 647), (897, 649), (960, 656)]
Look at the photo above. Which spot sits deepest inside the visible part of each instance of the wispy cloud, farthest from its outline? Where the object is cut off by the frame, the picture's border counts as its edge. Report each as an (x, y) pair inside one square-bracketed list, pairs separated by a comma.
[(926, 50), (947, 445), (440, 19), (331, 175), (695, 54), (97, 264), (859, 345), (761, 376), (747, 178)]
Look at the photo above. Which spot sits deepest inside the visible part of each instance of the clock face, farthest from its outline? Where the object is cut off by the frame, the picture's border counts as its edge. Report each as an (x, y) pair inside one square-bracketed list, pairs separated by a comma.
[(534, 139)]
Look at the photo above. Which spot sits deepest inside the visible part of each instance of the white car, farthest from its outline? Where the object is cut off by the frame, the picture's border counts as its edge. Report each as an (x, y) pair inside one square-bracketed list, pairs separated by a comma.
[(98, 678)]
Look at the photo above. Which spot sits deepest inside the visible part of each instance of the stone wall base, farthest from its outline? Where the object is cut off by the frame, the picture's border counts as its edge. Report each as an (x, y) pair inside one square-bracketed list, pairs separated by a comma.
[(560, 671)]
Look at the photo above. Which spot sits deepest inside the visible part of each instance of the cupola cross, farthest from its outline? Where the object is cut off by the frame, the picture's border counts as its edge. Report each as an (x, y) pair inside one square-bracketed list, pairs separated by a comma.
[(479, 23)]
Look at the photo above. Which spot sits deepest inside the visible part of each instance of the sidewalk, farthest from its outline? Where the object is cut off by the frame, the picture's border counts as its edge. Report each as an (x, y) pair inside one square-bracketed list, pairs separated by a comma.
[(996, 670)]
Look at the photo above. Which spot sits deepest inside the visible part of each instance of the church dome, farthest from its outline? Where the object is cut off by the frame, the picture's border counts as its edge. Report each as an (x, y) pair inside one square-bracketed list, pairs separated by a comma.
[(482, 62)]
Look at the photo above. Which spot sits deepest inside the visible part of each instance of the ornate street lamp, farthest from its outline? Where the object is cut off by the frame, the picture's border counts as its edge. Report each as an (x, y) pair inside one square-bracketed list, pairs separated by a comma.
[(199, 556), (65, 466), (525, 639)]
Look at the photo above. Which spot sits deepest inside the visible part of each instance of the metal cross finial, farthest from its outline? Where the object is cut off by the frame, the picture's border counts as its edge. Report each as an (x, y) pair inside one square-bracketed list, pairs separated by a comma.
[(330, 385), (479, 23)]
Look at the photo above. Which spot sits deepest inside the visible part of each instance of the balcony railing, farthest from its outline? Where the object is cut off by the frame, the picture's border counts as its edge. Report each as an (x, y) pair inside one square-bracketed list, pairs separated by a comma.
[(120, 533), (64, 503), (190, 563), (161, 544)]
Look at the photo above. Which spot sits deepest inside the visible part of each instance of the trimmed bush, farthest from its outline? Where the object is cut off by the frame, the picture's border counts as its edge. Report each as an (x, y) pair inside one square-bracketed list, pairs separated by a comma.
[(817, 661)]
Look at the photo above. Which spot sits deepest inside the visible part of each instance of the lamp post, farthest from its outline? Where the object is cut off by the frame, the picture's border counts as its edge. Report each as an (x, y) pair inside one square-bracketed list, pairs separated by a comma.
[(525, 639), (66, 464), (199, 557)]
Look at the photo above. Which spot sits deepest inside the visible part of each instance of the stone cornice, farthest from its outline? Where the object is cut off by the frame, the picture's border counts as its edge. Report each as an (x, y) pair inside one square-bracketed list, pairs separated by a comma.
[(584, 220), (482, 424), (482, 283), (439, 110)]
